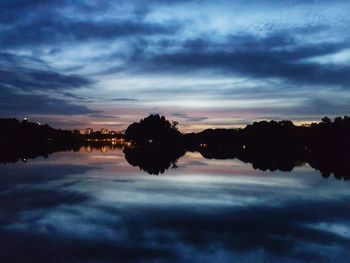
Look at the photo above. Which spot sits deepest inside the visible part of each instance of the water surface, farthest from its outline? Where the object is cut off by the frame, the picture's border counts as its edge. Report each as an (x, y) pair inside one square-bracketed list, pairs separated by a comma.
[(93, 206)]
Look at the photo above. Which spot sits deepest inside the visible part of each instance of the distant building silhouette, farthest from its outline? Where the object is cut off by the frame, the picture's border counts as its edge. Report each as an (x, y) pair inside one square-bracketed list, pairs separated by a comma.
[(88, 131), (104, 131)]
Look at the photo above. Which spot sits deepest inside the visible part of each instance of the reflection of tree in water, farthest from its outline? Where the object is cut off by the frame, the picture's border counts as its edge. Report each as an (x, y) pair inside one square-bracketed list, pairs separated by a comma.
[(260, 159), (153, 158), (156, 158), (14, 152), (328, 161), (336, 162)]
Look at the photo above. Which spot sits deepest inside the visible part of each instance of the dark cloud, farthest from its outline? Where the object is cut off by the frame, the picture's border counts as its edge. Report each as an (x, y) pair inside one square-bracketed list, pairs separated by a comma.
[(13, 104), (270, 57), (323, 106), (41, 31), (104, 116), (21, 77), (189, 118), (278, 55), (33, 79), (29, 74), (123, 99), (16, 9)]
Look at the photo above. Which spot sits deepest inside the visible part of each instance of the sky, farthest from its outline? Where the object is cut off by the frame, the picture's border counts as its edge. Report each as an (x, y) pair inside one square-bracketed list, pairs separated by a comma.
[(99, 63)]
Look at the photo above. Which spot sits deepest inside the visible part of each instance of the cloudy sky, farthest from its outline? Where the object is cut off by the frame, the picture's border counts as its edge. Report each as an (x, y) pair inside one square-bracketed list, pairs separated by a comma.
[(221, 63)]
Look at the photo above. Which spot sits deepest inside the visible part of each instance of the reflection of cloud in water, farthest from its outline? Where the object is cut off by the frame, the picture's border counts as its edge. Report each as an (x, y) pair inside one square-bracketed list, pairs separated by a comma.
[(26, 189), (70, 212)]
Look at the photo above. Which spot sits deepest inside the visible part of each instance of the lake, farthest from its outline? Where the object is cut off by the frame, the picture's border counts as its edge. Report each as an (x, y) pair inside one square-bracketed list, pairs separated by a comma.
[(93, 206)]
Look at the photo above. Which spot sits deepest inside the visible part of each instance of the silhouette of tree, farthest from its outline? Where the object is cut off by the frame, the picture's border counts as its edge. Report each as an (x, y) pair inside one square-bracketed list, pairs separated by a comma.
[(326, 120), (174, 125), (153, 129)]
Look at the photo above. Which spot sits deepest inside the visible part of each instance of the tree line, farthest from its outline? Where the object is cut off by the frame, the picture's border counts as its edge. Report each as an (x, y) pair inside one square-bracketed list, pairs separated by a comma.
[(157, 143)]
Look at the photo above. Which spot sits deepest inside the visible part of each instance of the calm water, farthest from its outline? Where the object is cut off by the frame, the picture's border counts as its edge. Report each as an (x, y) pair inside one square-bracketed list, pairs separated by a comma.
[(94, 207)]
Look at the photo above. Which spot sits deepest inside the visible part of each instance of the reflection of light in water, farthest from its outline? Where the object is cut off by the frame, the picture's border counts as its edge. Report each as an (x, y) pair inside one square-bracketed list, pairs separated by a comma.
[(88, 149), (104, 149), (193, 155)]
